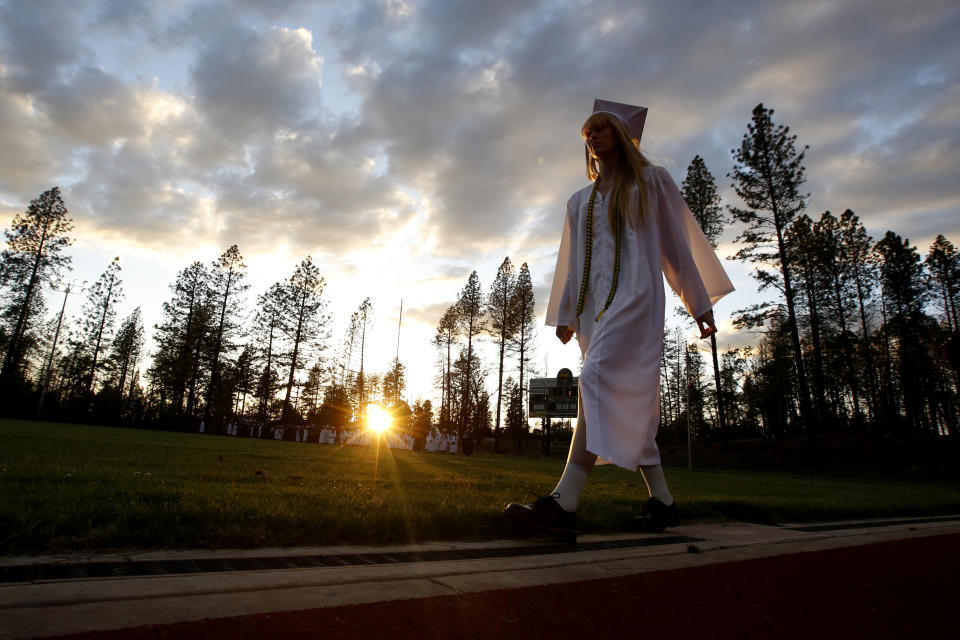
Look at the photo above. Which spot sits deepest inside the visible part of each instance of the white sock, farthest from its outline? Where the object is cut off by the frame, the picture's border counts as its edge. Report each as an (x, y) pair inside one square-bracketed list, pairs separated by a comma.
[(657, 484), (571, 484)]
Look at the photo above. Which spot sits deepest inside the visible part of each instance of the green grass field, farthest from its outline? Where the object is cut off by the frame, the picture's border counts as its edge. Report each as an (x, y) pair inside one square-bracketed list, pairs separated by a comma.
[(70, 487)]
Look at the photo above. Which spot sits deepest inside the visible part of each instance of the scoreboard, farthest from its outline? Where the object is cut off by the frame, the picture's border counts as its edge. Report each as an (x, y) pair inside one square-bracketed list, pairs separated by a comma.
[(554, 397)]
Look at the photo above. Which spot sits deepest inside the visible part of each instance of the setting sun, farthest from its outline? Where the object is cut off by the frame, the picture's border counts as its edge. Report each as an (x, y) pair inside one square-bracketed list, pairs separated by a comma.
[(378, 418)]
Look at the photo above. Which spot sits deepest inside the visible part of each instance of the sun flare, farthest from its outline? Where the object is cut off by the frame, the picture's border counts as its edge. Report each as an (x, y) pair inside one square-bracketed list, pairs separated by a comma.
[(378, 418)]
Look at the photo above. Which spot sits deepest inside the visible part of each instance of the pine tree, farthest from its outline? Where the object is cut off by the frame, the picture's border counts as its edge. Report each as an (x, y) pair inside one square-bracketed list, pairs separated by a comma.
[(226, 287), (268, 326), (125, 350), (244, 380), (448, 334), (516, 416), (837, 277), (524, 307), (34, 253), (305, 322), (904, 293), (99, 312), (767, 174), (859, 260), (347, 348), (180, 338), (943, 269), (732, 371), (421, 423), (699, 190), (471, 316), (502, 326), (943, 277), (394, 383), (313, 389), (364, 315), (804, 252)]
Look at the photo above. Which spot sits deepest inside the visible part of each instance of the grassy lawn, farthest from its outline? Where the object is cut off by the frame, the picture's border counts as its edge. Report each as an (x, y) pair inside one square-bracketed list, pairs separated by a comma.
[(70, 487)]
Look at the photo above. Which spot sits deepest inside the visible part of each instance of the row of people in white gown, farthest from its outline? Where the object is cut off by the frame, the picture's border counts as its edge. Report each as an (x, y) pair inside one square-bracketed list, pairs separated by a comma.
[(441, 443), (436, 442)]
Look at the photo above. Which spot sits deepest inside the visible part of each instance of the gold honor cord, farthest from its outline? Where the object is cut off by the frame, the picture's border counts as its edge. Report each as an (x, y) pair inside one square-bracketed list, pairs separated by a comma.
[(589, 255)]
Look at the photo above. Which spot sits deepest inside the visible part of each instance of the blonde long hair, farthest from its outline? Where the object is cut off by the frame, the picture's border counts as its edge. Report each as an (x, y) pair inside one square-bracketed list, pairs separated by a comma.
[(629, 169)]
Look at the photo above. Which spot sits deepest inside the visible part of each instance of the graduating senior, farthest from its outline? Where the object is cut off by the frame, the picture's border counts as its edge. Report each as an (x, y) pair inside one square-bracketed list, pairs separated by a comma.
[(619, 235)]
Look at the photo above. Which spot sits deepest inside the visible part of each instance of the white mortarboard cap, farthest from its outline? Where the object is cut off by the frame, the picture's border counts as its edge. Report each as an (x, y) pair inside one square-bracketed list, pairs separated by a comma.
[(631, 115)]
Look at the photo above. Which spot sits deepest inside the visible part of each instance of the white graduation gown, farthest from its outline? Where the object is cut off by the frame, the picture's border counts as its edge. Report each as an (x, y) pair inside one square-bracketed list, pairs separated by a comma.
[(619, 382)]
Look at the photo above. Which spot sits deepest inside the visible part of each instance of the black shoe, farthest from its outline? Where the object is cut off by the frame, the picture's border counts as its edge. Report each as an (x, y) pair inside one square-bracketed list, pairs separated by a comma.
[(658, 516), (545, 515)]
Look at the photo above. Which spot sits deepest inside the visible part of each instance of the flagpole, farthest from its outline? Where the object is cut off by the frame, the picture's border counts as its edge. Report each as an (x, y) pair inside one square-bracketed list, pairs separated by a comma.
[(399, 324)]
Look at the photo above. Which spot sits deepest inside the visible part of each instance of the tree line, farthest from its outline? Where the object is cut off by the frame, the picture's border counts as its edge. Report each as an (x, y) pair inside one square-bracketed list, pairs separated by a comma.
[(505, 316), (858, 335)]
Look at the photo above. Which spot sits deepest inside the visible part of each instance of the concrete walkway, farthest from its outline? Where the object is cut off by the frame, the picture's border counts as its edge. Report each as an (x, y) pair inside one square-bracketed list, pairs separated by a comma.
[(73, 603)]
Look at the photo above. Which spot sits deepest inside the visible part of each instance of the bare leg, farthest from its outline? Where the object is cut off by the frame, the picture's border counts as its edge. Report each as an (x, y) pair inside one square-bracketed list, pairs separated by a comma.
[(578, 445)]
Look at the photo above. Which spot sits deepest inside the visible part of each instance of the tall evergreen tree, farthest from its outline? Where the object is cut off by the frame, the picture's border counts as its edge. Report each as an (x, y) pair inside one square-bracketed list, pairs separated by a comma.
[(943, 269), (99, 312), (394, 383), (226, 287), (421, 423), (522, 344), (904, 294), (313, 388), (699, 190), (268, 326), (502, 326), (943, 273), (767, 175), (516, 417), (34, 253), (804, 252), (839, 296), (472, 323), (448, 334), (126, 350), (305, 321), (859, 260), (245, 380), (364, 317), (180, 338), (347, 348)]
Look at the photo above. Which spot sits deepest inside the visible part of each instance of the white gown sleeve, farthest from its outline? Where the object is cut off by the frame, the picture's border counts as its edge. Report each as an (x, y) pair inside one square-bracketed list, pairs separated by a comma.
[(560, 311), (688, 260)]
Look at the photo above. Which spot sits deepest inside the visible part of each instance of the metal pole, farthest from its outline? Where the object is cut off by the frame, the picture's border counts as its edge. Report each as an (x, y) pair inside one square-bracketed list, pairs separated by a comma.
[(399, 324), (689, 438)]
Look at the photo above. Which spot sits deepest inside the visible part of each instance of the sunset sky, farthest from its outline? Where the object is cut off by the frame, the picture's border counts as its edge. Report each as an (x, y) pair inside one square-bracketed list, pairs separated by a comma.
[(404, 144)]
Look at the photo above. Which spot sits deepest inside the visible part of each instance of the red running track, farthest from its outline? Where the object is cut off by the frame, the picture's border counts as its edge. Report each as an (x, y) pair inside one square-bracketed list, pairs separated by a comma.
[(905, 589)]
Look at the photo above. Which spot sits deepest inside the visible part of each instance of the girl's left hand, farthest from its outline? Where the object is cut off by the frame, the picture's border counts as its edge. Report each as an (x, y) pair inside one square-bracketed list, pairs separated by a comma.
[(706, 325)]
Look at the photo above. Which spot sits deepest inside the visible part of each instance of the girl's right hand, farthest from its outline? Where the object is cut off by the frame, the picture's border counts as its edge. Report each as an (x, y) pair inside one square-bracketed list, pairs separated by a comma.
[(564, 333)]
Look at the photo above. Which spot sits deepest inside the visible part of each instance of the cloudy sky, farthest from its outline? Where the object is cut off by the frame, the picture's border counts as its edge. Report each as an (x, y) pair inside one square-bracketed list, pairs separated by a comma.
[(404, 144)]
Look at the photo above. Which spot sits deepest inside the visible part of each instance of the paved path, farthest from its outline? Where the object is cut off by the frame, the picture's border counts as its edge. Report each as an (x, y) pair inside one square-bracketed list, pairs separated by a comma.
[(731, 580)]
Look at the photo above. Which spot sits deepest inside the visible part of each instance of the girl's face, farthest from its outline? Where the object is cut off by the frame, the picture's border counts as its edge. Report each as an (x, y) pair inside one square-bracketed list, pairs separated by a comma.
[(600, 137)]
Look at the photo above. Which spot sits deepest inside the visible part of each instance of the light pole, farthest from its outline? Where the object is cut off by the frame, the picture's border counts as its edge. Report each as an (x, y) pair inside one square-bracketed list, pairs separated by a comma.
[(68, 287), (689, 384)]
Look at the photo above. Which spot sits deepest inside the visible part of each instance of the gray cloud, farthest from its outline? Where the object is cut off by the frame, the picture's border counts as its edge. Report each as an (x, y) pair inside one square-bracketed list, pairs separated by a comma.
[(249, 80), (475, 106), (91, 108), (40, 38)]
